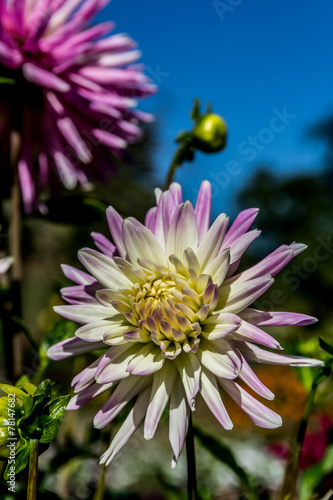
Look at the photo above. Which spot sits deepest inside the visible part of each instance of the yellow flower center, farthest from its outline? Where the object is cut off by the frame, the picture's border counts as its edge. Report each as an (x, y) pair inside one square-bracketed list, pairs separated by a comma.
[(167, 308)]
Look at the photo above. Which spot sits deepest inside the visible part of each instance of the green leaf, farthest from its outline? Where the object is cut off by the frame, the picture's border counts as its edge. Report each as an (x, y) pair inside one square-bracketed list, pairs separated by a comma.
[(21, 459), (222, 453), (325, 346), (62, 330), (51, 420), (29, 424)]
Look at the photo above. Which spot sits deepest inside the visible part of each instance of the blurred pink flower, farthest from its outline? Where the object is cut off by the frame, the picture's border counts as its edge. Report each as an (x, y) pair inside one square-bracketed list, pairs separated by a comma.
[(66, 88), (165, 302)]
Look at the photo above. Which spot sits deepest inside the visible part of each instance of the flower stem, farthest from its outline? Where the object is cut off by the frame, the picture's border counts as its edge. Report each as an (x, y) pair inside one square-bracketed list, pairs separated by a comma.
[(33, 470), (192, 493), (181, 155)]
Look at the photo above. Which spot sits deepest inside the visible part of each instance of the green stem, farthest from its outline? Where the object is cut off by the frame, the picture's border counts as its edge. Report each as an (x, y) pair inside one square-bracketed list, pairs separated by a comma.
[(33, 470), (100, 490), (179, 158), (289, 487), (192, 493)]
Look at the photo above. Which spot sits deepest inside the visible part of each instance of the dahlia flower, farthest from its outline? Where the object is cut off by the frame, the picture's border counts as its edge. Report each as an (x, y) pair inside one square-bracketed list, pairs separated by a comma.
[(66, 89), (164, 301)]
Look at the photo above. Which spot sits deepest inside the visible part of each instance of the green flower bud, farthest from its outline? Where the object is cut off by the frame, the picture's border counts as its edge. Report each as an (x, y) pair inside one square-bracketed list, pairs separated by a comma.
[(210, 133)]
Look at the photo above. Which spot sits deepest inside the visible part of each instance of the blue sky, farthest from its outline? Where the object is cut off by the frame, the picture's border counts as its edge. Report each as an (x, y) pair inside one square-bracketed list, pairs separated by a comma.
[(252, 59)]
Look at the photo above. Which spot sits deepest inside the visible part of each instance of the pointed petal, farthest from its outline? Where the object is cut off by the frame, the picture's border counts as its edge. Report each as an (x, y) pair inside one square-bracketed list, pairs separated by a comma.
[(140, 243), (258, 413), (237, 296), (254, 353), (203, 208), (163, 383), (210, 245), (128, 428), (115, 222), (211, 395), (189, 370), (72, 347), (268, 318), (178, 419), (103, 268), (125, 391), (183, 232)]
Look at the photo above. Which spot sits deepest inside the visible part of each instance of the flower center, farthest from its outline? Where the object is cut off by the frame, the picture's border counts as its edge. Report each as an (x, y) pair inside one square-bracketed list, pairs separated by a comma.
[(167, 308)]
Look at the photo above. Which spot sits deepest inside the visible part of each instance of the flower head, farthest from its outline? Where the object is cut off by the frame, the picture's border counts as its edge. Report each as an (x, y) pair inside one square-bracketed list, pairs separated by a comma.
[(165, 302), (66, 88)]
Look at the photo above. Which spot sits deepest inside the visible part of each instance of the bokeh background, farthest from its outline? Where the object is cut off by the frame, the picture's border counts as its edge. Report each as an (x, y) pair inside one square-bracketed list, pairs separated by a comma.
[(267, 67)]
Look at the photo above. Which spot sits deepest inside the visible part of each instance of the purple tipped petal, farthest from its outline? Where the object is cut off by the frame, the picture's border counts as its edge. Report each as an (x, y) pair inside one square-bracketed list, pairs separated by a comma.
[(258, 355), (163, 383), (125, 391), (241, 225), (132, 422), (267, 318), (258, 413), (203, 208), (211, 395), (72, 347), (103, 244)]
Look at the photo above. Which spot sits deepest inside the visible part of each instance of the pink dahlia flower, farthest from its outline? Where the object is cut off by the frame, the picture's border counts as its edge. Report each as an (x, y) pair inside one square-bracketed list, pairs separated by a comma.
[(69, 90), (164, 301)]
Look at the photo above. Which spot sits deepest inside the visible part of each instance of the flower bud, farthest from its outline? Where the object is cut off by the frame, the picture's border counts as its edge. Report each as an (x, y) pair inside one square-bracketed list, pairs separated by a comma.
[(210, 133)]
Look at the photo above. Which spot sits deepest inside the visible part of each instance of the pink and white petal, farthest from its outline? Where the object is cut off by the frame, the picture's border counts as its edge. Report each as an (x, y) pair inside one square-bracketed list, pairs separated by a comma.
[(183, 232), (257, 355), (87, 394), (80, 294), (103, 244), (141, 243), (218, 267), (122, 395), (72, 347), (238, 247), (176, 190), (237, 296), (150, 219), (85, 313), (148, 360), (189, 369), (115, 222), (211, 395), (93, 332), (251, 333), (219, 326), (271, 265), (86, 377), (258, 413), (250, 378), (103, 268), (44, 78), (128, 428), (203, 208), (76, 275), (163, 383), (179, 415), (210, 245), (267, 318), (165, 209), (241, 225), (219, 358)]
